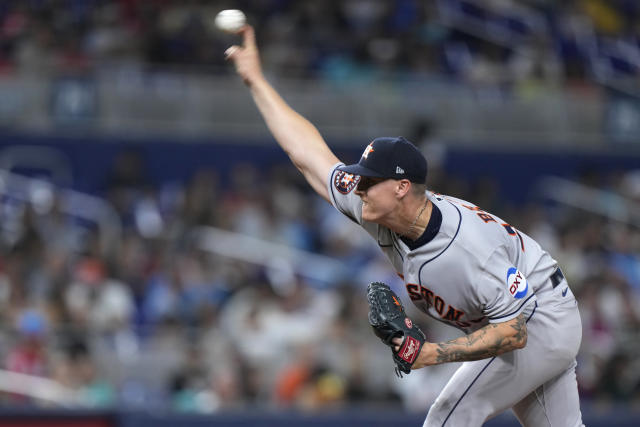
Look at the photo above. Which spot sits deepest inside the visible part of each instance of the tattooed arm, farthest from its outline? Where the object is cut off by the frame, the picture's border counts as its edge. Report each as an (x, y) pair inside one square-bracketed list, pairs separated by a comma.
[(491, 340)]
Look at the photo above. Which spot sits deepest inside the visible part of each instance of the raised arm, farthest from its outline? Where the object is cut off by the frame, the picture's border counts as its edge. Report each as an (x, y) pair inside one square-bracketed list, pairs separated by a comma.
[(298, 137)]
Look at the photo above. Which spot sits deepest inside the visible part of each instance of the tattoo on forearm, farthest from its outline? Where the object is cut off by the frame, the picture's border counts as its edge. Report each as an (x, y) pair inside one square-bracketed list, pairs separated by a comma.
[(520, 327), (484, 343)]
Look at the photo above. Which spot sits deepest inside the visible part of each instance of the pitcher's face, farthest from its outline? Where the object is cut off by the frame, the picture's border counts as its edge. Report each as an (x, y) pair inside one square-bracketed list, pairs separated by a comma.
[(378, 197)]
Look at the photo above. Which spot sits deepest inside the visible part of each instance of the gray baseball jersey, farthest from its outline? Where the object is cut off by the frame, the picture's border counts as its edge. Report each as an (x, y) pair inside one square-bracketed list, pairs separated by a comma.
[(470, 268)]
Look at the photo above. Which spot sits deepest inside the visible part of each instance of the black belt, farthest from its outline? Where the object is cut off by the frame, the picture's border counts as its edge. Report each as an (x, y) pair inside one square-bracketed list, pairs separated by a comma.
[(556, 278)]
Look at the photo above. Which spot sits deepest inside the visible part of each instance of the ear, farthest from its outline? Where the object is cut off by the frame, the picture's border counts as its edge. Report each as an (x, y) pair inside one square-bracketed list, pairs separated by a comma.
[(403, 187)]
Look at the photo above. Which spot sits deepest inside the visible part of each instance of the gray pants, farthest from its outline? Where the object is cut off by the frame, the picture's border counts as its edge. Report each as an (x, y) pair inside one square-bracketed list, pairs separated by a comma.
[(538, 382)]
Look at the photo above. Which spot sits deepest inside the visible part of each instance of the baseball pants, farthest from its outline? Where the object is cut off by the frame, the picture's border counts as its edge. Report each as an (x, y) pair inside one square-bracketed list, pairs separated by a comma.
[(538, 381)]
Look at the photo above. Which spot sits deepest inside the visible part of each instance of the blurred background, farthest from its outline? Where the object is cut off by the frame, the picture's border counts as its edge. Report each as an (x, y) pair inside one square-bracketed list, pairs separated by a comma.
[(162, 263)]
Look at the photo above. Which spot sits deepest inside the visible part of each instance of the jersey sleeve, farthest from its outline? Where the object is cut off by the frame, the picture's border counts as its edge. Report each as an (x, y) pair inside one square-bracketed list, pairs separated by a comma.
[(342, 195), (504, 291)]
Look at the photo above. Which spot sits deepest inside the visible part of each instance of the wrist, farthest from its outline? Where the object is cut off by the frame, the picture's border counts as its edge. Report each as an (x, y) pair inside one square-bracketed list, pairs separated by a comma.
[(256, 81), (425, 358)]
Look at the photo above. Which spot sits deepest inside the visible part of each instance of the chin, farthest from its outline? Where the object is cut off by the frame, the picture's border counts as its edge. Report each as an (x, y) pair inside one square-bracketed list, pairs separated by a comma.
[(365, 212), (367, 215)]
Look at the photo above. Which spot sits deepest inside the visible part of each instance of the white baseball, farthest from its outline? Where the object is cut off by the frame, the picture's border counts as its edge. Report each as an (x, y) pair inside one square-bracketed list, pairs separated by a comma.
[(230, 20)]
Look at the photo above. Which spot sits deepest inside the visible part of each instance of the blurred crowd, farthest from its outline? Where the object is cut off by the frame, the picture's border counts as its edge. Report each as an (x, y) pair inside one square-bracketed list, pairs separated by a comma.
[(498, 41), (156, 320)]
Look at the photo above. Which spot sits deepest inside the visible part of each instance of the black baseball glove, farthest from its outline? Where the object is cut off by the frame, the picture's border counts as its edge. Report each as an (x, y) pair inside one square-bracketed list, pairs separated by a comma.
[(388, 320)]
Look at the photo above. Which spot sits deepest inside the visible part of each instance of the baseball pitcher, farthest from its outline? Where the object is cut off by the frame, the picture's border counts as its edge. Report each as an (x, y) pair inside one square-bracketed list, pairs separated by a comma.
[(460, 264)]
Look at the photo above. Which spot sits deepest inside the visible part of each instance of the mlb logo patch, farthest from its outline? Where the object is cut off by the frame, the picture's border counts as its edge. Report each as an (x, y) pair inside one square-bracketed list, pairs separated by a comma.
[(345, 182), (517, 283)]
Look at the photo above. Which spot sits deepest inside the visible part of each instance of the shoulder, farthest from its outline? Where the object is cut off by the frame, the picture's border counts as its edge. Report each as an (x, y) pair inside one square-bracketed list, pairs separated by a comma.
[(343, 182), (468, 240), (340, 188)]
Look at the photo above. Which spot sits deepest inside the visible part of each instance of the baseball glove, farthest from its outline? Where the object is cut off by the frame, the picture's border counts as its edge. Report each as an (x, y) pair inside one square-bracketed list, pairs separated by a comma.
[(388, 320)]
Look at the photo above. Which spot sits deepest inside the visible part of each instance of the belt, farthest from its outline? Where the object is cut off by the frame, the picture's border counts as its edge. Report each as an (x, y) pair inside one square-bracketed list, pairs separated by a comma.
[(556, 278)]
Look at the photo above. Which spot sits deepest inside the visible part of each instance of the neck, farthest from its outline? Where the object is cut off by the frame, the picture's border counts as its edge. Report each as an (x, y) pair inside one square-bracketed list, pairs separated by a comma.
[(412, 219)]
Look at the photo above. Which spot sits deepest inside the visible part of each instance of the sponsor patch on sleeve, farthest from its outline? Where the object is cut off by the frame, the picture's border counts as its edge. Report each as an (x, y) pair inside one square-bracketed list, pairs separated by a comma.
[(517, 283), (345, 182)]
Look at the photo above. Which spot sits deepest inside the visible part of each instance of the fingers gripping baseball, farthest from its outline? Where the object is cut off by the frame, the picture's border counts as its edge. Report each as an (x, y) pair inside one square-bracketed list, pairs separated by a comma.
[(246, 58)]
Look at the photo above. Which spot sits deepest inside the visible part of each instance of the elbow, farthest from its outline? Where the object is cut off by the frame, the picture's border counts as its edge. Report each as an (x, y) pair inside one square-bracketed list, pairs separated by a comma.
[(522, 343), (518, 332), (521, 338), (298, 158)]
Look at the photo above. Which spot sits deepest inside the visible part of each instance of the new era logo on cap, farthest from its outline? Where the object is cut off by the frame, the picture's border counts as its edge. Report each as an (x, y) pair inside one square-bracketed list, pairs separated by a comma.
[(394, 158)]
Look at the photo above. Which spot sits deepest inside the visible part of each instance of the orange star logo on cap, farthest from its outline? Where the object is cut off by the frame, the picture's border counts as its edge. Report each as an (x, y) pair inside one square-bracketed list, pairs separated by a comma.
[(368, 150)]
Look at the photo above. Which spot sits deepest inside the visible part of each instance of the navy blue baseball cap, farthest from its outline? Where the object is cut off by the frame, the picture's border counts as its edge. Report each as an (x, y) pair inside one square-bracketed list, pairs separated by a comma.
[(394, 158)]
